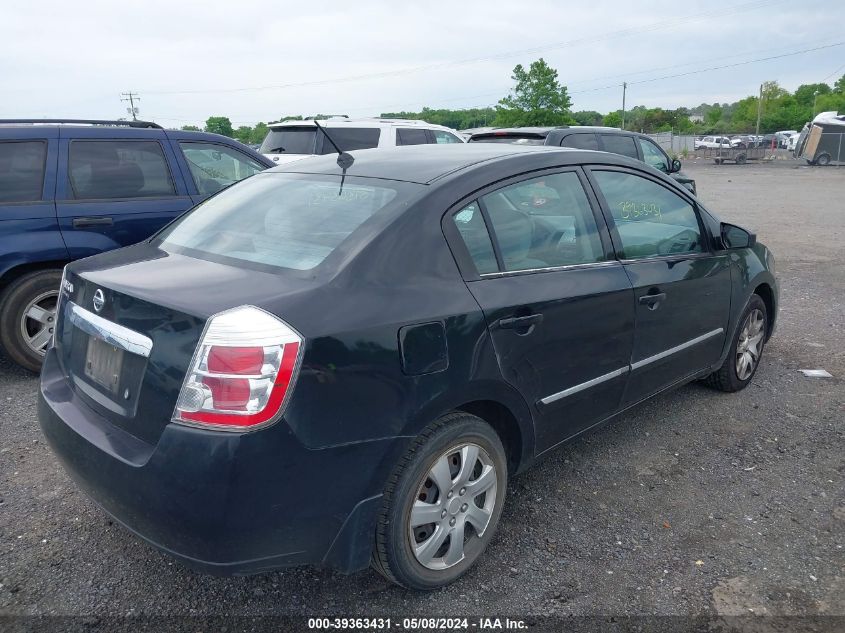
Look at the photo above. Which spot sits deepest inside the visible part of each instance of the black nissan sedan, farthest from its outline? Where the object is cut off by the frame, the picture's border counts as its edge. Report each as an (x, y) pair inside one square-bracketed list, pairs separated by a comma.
[(343, 366)]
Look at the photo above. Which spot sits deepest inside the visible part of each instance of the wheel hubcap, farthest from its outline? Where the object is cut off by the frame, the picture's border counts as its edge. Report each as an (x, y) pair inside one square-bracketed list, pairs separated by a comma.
[(38, 321), (750, 344), (454, 504)]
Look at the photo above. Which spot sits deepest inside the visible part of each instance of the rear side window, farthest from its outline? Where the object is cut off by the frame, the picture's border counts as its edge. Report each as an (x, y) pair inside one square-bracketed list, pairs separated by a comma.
[(22, 170), (214, 166), (651, 220), (580, 141), (284, 220), (445, 137), (349, 138), (544, 223), (619, 144), (410, 136), (118, 169), (474, 233)]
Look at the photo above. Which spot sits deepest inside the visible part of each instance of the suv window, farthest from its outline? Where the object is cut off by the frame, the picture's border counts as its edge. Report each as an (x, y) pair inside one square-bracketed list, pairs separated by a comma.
[(214, 166), (650, 219), (544, 222), (290, 140), (118, 169), (349, 138), (580, 141), (22, 170), (471, 226), (653, 155), (619, 144), (411, 136), (441, 136)]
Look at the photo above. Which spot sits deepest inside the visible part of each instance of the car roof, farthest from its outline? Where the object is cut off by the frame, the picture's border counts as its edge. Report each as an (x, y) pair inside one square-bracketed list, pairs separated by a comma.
[(425, 164), (545, 131), (368, 122)]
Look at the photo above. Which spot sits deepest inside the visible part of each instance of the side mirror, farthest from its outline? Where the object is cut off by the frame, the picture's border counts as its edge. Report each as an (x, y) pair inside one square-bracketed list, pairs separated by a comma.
[(676, 166), (737, 237)]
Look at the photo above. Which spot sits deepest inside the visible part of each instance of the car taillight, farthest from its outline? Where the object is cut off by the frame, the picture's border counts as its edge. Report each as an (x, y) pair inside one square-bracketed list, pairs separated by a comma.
[(242, 372)]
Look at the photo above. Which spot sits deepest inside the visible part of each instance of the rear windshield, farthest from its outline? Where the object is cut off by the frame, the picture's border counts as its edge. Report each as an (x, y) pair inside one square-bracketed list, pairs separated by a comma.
[(281, 220), (509, 138), (307, 140)]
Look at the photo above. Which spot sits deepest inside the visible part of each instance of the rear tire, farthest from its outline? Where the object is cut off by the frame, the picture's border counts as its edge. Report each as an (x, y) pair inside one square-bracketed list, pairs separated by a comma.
[(748, 342), (27, 317), (466, 457)]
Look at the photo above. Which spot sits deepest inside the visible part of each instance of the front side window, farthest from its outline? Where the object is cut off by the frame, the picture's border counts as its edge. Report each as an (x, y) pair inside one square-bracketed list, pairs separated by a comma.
[(118, 169), (214, 167), (619, 144), (350, 138), (411, 136), (580, 141), (544, 223), (445, 137), (22, 170), (292, 221), (653, 155), (651, 220)]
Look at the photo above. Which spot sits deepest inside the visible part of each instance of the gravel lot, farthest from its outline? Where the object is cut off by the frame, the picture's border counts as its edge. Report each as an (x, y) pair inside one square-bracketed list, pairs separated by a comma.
[(699, 503)]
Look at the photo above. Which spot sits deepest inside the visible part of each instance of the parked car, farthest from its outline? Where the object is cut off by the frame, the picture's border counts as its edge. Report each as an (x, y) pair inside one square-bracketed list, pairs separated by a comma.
[(344, 365), (608, 139), (782, 138), (294, 140), (70, 189), (712, 142)]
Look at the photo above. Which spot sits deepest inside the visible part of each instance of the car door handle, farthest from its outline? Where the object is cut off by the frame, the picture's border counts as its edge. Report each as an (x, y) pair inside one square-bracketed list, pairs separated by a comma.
[(518, 323), (97, 221), (652, 300)]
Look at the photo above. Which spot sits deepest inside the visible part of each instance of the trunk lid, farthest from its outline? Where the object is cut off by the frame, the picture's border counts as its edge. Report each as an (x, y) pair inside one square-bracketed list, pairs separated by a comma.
[(128, 359)]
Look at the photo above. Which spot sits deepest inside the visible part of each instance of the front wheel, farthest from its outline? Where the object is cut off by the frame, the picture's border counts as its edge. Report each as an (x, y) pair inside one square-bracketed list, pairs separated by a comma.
[(442, 505), (746, 349), (28, 317)]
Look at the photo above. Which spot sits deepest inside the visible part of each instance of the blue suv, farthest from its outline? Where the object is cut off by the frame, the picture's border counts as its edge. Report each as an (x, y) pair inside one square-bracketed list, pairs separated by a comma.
[(74, 188)]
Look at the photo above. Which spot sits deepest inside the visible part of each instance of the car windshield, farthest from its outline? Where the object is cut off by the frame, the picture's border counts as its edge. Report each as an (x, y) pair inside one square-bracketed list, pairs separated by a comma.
[(290, 140), (280, 220), (509, 138)]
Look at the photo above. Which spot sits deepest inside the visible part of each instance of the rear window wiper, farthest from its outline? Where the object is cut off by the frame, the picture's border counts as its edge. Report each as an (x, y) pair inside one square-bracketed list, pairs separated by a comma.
[(276, 150)]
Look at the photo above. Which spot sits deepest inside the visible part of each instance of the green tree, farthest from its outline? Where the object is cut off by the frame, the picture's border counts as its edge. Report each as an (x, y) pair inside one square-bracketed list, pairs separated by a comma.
[(190, 128), (259, 132), (219, 125), (244, 134), (806, 93), (839, 86), (587, 117), (537, 99), (613, 119)]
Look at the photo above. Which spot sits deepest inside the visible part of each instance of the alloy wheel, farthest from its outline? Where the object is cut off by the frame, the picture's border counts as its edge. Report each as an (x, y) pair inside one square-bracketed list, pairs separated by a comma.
[(38, 321), (453, 506), (750, 344)]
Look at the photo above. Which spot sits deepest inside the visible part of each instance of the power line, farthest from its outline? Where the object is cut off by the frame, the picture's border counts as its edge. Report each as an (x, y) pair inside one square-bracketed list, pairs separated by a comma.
[(842, 67), (748, 6)]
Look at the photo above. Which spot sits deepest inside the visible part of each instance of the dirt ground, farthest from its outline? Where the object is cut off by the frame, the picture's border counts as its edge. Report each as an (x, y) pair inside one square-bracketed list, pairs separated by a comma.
[(700, 503)]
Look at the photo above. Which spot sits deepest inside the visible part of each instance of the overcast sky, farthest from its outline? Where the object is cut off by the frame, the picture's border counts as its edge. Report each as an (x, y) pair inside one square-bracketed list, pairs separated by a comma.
[(248, 59)]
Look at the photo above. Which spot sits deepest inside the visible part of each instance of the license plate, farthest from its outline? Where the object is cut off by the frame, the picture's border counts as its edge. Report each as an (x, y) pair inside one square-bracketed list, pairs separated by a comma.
[(103, 363)]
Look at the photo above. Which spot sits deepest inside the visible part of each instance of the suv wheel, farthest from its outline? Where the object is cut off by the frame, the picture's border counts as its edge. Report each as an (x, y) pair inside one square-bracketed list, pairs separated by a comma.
[(746, 349), (442, 504), (28, 316)]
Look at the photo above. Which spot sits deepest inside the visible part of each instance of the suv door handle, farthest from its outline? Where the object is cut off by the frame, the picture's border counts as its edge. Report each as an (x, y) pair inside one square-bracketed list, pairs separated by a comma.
[(96, 221), (518, 323), (652, 300)]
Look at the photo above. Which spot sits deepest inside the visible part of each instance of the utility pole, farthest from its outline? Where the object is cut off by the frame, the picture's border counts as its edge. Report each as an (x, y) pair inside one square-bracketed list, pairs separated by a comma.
[(759, 110), (131, 97), (815, 98), (624, 90)]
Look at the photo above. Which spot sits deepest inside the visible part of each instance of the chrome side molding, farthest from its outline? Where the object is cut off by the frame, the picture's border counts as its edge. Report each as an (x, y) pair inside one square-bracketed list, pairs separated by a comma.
[(676, 349), (112, 333), (584, 385)]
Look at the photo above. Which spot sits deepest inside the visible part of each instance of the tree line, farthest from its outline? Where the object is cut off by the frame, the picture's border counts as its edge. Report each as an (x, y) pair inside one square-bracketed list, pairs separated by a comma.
[(538, 98)]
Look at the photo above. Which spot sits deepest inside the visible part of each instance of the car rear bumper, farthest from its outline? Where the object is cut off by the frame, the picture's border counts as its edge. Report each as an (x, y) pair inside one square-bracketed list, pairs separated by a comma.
[(221, 502)]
